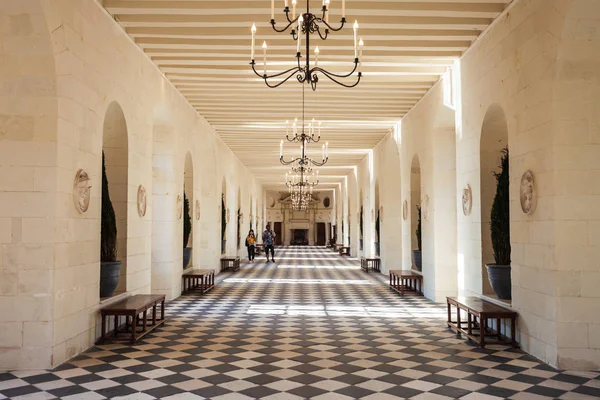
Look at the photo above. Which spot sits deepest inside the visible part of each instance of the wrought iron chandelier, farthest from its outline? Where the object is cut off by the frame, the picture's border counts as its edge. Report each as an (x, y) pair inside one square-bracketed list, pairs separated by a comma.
[(300, 200), (304, 136), (307, 24)]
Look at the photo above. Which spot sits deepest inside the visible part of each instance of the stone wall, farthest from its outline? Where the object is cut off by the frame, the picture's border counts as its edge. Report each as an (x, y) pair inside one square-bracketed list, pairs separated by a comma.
[(535, 70), (64, 65)]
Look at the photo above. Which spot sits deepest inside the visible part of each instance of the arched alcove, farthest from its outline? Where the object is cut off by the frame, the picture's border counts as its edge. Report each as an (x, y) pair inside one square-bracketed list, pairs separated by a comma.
[(223, 216), (238, 219), (377, 220), (494, 139), (116, 161), (189, 211), (415, 213)]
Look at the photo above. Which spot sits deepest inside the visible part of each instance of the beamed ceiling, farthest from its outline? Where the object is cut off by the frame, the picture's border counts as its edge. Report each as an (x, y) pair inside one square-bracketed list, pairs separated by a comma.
[(203, 47)]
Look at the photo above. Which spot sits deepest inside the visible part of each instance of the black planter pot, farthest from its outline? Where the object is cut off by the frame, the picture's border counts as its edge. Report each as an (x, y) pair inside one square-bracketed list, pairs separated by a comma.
[(499, 276), (187, 256), (418, 258), (223, 246), (377, 248), (110, 272)]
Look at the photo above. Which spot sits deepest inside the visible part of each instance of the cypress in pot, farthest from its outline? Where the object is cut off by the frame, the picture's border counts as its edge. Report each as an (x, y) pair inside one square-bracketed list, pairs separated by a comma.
[(223, 224), (187, 230), (499, 273), (417, 254), (377, 233), (360, 225), (110, 267)]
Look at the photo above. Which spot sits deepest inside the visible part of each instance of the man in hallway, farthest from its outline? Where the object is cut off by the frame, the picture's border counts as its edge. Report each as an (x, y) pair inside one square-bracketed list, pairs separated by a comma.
[(269, 242)]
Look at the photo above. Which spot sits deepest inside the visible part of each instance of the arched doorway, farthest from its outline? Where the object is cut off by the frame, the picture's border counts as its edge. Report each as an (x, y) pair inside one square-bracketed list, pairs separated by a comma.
[(223, 213), (188, 210), (493, 144), (415, 213), (115, 159)]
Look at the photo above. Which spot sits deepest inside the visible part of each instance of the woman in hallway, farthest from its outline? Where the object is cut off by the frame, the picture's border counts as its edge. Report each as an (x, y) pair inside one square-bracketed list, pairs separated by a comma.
[(250, 240), (269, 242)]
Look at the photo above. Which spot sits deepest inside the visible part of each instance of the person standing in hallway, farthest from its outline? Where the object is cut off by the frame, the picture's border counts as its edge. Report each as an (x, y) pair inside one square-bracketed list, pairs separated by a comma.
[(250, 240), (269, 242)]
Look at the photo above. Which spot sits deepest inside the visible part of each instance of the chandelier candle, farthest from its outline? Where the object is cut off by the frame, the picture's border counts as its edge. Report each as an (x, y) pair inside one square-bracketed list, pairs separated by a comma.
[(253, 41), (264, 46), (355, 35)]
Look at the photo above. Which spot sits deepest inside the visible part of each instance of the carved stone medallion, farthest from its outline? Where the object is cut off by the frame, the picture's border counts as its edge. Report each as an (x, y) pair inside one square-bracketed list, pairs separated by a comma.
[(527, 193), (467, 200), (141, 201), (425, 207), (179, 207), (405, 210), (198, 210), (82, 191)]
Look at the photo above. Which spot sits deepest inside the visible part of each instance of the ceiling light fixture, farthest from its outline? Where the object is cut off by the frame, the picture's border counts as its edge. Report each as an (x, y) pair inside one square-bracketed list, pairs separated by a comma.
[(305, 25)]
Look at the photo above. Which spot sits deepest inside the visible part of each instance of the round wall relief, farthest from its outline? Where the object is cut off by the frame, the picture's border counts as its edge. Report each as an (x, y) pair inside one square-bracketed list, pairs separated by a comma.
[(405, 210), (271, 202), (81, 191), (527, 193), (467, 200), (198, 210), (141, 201), (425, 207), (179, 206), (326, 202)]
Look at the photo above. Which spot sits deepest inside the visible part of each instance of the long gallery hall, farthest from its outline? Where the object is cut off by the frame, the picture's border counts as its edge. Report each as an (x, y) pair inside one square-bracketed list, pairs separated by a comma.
[(299, 199)]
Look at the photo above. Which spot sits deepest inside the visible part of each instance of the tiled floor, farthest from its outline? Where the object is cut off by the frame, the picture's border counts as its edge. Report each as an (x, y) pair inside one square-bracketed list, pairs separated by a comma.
[(312, 326)]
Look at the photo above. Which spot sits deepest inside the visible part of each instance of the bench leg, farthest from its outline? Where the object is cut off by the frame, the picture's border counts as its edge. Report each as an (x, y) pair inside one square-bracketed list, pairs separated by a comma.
[(482, 328), (116, 325), (133, 328), (103, 337), (162, 309), (499, 328), (144, 322), (449, 312), (513, 331), (154, 314), (458, 322), (469, 324)]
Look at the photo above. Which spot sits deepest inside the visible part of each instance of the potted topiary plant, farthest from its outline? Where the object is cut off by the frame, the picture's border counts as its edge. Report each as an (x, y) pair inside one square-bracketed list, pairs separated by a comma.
[(499, 273), (223, 225), (377, 233), (187, 230), (110, 267), (360, 225), (417, 254), (239, 234)]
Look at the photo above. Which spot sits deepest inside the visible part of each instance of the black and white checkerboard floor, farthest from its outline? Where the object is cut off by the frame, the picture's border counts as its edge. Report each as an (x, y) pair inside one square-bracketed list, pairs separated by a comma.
[(311, 326)]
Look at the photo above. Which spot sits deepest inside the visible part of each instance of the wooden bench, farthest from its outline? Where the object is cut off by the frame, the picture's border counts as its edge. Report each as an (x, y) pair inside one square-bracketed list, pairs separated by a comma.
[(131, 308), (479, 312), (204, 279), (406, 282), (337, 247), (344, 251), (258, 248), (230, 263), (370, 263)]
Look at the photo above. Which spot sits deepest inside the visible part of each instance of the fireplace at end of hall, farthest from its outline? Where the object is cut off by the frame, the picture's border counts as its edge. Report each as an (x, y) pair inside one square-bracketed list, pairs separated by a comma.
[(299, 237)]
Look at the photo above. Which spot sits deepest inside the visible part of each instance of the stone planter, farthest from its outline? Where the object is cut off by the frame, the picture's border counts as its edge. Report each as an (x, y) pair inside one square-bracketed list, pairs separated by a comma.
[(418, 259), (499, 276), (187, 256), (110, 272), (223, 246)]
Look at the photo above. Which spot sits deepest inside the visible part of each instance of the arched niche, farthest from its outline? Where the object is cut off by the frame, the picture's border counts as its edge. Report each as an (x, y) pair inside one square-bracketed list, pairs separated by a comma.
[(494, 138), (238, 219), (415, 206), (188, 195), (115, 146), (223, 216), (377, 220)]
